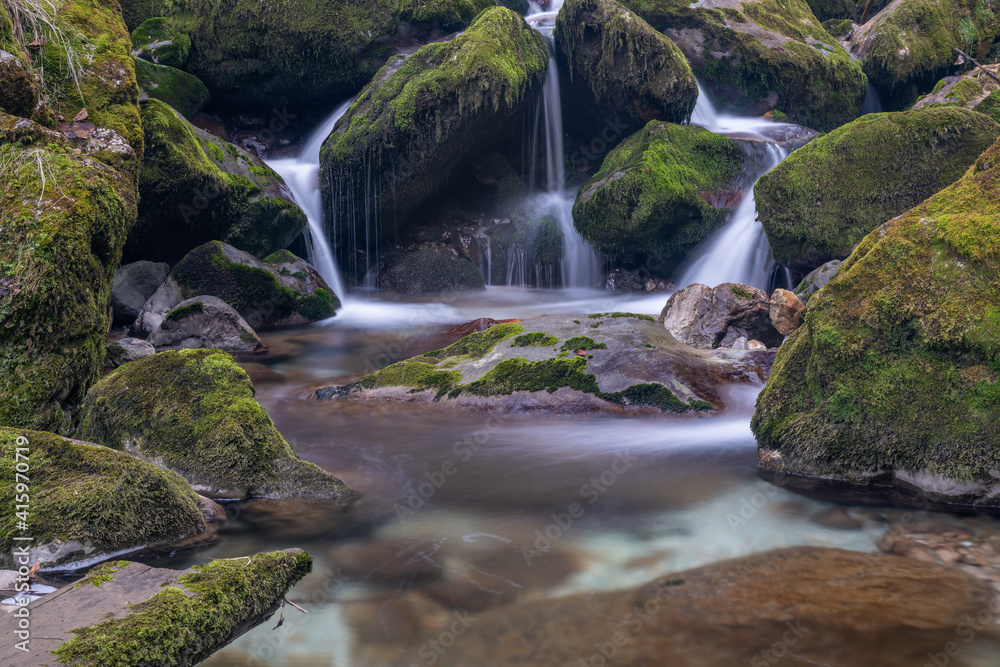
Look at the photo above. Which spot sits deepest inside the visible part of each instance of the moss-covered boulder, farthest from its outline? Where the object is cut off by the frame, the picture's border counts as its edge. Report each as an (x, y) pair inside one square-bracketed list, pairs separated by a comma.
[(193, 412), (18, 90), (745, 51), (126, 614), (89, 501), (163, 41), (60, 244), (620, 67), (180, 90), (603, 362), (894, 379), (423, 119), (196, 188), (827, 196), (911, 44), (651, 194), (430, 270), (974, 90), (826, 10)]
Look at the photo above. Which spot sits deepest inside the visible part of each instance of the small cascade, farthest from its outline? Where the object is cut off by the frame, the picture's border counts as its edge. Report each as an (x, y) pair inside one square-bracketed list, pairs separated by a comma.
[(580, 266), (872, 103), (301, 175), (739, 252)]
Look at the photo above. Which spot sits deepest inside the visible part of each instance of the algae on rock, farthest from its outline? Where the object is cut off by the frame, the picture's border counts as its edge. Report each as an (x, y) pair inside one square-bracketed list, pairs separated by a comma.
[(193, 412), (896, 370), (827, 196), (182, 91)]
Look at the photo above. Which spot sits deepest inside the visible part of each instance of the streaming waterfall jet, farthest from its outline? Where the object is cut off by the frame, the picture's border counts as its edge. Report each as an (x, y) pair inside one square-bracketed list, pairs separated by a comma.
[(739, 252), (301, 175)]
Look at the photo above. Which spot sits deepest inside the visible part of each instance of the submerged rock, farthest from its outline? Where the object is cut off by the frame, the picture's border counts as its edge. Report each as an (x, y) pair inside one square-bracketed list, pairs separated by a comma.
[(911, 44), (196, 188), (892, 382), (428, 271), (825, 197), (91, 502), (708, 318), (204, 321), (824, 606), (282, 290), (614, 362), (420, 123), (60, 243), (194, 412), (621, 68), (129, 614), (761, 56), (651, 196)]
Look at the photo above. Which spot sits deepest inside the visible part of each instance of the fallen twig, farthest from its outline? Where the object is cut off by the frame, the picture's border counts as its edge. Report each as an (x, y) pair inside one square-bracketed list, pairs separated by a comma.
[(976, 63)]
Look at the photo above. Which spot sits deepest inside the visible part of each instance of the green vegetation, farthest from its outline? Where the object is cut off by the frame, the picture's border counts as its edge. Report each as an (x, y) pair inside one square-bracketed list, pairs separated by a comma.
[(582, 343), (174, 627), (194, 411), (104, 572), (185, 93), (537, 339)]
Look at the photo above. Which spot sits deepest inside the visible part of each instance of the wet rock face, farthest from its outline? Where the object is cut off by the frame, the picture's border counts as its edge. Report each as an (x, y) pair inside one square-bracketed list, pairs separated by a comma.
[(786, 311), (430, 271), (708, 318), (620, 67), (816, 279), (756, 610), (133, 284), (825, 197)]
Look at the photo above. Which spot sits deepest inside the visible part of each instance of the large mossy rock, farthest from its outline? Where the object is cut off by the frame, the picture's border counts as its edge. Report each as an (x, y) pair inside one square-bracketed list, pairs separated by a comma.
[(745, 51), (60, 243), (89, 501), (911, 44), (430, 270), (126, 614), (603, 362), (19, 91), (974, 90), (422, 120), (826, 10), (180, 90), (621, 68), (194, 412), (650, 195), (196, 188), (827, 196), (894, 379)]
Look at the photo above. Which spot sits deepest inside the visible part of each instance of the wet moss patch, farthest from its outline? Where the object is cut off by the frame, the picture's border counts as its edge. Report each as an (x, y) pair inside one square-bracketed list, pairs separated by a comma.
[(536, 338)]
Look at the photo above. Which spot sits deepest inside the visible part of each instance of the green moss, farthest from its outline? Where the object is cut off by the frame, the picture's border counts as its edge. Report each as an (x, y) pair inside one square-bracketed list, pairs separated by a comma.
[(175, 627), (194, 410), (174, 44), (447, 14), (740, 292), (898, 357), (654, 395), (91, 494), (537, 339), (647, 198), (418, 374), (103, 572), (280, 257), (60, 244), (843, 11), (477, 345), (821, 201), (582, 343), (512, 375), (178, 314), (616, 315), (185, 93), (990, 106)]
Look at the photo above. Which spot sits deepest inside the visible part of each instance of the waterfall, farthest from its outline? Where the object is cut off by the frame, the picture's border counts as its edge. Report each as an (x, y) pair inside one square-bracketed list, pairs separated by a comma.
[(301, 175), (872, 104), (580, 264), (739, 252)]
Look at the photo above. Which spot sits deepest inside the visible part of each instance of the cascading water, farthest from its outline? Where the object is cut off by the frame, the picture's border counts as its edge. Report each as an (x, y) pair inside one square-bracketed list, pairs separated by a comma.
[(580, 265), (301, 175), (738, 252)]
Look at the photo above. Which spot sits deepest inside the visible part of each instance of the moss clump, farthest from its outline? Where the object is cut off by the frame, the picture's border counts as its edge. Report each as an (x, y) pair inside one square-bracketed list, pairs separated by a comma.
[(512, 375), (163, 41), (913, 44), (620, 67), (178, 314), (60, 243), (821, 201), (196, 188), (990, 106), (647, 198), (615, 315), (535, 339), (178, 89), (104, 572), (447, 14), (897, 363), (654, 395), (845, 11), (418, 374), (186, 622), (744, 50), (583, 343), (477, 345), (194, 412), (92, 494), (413, 127)]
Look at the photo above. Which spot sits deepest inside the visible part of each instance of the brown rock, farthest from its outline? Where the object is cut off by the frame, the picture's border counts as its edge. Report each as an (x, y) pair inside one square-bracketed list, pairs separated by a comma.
[(709, 318), (786, 311)]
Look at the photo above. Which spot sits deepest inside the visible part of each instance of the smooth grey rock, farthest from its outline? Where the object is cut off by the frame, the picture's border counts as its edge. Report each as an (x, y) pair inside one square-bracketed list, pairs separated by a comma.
[(816, 279), (133, 284), (125, 350), (204, 321), (157, 306), (708, 318)]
